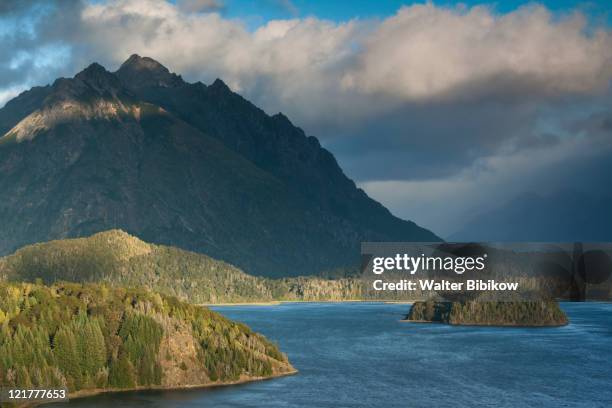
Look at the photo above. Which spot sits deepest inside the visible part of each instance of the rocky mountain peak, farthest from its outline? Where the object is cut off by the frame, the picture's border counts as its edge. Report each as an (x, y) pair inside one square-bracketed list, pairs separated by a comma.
[(140, 72), (137, 62), (98, 78), (93, 70), (218, 84)]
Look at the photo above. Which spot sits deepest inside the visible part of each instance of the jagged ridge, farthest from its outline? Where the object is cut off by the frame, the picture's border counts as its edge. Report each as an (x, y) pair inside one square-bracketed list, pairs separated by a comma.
[(188, 165)]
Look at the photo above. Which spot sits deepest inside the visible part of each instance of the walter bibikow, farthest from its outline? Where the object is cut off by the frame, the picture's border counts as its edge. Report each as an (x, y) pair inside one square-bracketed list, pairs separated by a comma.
[(444, 285)]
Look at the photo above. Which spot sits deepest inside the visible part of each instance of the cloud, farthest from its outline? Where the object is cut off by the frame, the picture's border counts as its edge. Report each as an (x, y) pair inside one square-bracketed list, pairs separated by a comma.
[(29, 57), (8, 7), (422, 54), (426, 52), (445, 204), (199, 6), (289, 6), (6, 94), (325, 73)]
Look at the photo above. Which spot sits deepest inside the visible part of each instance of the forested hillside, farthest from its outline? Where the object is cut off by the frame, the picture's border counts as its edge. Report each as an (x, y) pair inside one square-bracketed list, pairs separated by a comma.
[(118, 258), (92, 337)]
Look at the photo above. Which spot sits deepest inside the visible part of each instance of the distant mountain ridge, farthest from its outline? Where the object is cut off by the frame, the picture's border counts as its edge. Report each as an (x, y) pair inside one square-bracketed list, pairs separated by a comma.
[(188, 165), (563, 216)]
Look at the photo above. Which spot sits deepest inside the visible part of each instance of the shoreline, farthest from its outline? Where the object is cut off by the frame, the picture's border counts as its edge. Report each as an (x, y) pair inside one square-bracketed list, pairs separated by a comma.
[(281, 302), (524, 326), (390, 302), (271, 303), (99, 391)]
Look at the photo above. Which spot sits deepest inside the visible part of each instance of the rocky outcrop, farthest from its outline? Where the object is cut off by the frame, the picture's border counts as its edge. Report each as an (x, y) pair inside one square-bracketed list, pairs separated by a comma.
[(473, 313)]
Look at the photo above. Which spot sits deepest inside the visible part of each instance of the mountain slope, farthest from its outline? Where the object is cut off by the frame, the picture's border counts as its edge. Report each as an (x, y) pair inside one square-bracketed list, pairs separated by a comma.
[(181, 164), (270, 142)]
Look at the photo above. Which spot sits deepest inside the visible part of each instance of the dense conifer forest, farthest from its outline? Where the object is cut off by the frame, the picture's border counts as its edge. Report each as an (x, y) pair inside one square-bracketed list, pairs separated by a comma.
[(93, 336), (120, 259)]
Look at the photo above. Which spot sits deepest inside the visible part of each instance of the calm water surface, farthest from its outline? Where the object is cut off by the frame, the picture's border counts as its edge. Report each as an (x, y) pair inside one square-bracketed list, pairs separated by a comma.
[(361, 355)]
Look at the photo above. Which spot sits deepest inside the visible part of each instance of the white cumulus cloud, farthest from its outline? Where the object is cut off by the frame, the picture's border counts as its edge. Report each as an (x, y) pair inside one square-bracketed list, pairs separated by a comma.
[(426, 51), (320, 70)]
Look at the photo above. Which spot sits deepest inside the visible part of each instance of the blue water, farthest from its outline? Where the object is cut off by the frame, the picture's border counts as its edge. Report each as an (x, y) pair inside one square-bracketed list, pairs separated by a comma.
[(361, 355)]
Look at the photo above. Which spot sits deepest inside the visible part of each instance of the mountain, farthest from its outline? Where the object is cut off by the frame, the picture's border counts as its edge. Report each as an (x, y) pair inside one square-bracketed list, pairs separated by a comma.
[(119, 259), (188, 165), (91, 337), (564, 216)]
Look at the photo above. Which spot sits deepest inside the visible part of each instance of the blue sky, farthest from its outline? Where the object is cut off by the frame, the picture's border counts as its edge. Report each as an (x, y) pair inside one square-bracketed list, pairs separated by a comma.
[(257, 12)]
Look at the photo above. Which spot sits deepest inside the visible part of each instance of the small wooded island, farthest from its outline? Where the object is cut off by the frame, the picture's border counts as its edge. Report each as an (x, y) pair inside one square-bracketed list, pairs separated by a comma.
[(93, 338), (472, 313)]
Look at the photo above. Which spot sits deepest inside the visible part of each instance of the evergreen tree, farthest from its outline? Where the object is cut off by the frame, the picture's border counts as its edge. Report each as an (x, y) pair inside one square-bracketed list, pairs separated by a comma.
[(67, 356), (122, 373)]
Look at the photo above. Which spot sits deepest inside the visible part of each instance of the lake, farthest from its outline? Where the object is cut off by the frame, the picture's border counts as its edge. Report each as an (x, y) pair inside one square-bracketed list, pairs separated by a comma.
[(361, 355)]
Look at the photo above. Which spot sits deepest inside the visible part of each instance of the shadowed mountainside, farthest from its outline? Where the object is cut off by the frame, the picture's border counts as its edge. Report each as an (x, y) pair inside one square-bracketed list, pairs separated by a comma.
[(188, 165)]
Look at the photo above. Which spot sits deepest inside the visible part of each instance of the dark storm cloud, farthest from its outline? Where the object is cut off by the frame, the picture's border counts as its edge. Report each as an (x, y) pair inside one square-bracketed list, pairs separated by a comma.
[(436, 140), (18, 7), (33, 44), (14, 6), (577, 156)]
